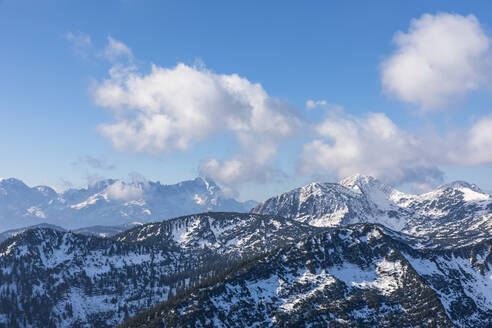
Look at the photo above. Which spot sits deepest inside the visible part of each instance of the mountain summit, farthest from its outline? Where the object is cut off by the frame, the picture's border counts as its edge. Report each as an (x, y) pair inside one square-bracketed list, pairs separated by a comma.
[(358, 199), (323, 255), (109, 202)]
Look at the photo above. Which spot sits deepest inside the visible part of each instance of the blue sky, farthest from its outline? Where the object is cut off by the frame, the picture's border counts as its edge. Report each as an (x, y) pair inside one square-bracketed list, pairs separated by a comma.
[(61, 126)]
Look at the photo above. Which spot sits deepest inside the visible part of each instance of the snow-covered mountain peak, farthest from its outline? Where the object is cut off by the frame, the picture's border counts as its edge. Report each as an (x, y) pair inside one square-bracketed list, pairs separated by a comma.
[(313, 187), (12, 183), (47, 191), (457, 191), (381, 195), (365, 184), (209, 183), (365, 199), (100, 185), (356, 179), (110, 202), (460, 185)]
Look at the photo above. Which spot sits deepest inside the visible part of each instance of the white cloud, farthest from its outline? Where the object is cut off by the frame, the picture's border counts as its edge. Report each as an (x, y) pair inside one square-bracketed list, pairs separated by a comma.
[(373, 145), (227, 171), (251, 164), (472, 146), (123, 191), (439, 60), (479, 142), (138, 178), (171, 109), (310, 104), (115, 50), (247, 166)]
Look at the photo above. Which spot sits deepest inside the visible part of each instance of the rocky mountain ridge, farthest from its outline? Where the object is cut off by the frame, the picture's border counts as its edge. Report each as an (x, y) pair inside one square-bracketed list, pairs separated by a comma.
[(109, 203), (101, 231), (455, 213), (354, 276), (355, 253), (53, 278)]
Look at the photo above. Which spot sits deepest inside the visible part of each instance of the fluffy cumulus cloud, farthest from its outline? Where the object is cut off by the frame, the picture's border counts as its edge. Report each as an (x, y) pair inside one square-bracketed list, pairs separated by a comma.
[(376, 146), (440, 59), (252, 164), (172, 109), (472, 146), (373, 145)]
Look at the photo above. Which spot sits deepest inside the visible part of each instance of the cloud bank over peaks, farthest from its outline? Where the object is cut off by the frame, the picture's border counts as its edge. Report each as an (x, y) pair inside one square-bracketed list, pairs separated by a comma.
[(439, 60), (172, 109), (120, 190), (373, 145), (471, 146)]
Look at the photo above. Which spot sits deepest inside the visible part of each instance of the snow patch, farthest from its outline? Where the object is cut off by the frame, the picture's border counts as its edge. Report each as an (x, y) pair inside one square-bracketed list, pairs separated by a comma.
[(90, 201), (471, 195), (9, 249), (352, 275), (382, 277), (318, 280), (199, 200), (33, 210)]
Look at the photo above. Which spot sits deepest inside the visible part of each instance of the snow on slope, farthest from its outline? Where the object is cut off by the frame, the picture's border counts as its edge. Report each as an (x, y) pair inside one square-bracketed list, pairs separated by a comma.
[(223, 233), (109, 203), (100, 231), (454, 213), (97, 281), (358, 276)]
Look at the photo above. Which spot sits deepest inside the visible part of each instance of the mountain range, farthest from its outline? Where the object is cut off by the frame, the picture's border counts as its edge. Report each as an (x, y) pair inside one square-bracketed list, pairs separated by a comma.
[(357, 276), (356, 253), (109, 203), (101, 231), (456, 213), (57, 278)]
